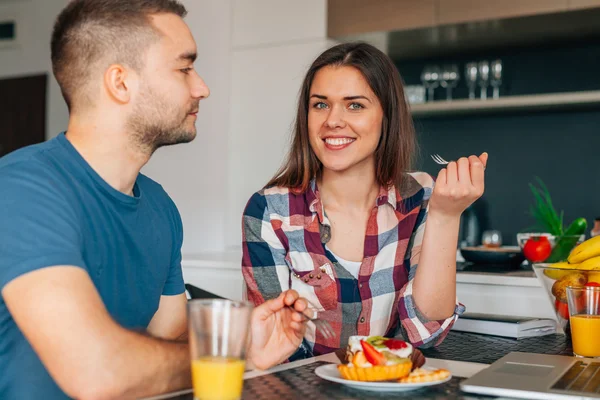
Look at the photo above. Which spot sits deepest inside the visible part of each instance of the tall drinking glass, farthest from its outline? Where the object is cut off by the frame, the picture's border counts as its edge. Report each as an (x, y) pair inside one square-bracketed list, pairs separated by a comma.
[(584, 311), (218, 334)]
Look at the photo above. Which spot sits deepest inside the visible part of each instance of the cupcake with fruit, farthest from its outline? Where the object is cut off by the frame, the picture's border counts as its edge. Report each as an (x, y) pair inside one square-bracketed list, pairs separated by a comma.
[(376, 358)]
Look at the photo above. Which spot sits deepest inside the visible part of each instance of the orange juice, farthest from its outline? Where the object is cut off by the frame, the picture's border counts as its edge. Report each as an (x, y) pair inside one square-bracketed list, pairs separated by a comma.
[(585, 333), (217, 378)]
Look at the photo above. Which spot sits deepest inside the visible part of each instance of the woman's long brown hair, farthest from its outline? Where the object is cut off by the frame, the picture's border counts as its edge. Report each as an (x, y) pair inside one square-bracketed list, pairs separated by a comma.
[(397, 145)]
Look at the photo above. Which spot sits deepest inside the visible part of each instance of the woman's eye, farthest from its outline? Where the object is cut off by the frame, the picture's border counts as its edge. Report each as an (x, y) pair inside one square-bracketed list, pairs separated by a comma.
[(186, 70), (320, 105), (356, 106)]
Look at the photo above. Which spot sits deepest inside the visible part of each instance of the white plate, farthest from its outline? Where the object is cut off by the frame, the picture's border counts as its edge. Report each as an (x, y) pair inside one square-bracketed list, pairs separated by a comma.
[(330, 372)]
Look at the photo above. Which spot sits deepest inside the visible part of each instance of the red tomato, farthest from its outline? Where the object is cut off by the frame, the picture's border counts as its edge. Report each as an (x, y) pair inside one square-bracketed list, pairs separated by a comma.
[(562, 309), (537, 248)]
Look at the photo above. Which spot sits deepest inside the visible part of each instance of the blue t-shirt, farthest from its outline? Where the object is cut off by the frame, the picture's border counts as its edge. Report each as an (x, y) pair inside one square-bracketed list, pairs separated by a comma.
[(56, 210)]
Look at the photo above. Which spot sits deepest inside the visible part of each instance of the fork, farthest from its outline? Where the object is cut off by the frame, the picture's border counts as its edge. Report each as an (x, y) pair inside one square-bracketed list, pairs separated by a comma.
[(438, 159), (320, 324)]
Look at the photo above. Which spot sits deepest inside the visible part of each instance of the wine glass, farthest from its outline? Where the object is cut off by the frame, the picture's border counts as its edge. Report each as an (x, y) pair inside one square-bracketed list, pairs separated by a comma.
[(484, 77), (496, 77), (450, 78), (491, 238), (471, 73), (431, 79)]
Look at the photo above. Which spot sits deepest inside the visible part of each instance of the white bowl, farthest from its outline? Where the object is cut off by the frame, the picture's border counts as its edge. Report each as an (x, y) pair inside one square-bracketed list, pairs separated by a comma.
[(523, 237)]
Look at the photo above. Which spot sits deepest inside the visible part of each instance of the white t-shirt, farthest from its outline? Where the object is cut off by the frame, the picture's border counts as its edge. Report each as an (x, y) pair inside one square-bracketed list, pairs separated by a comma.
[(351, 266)]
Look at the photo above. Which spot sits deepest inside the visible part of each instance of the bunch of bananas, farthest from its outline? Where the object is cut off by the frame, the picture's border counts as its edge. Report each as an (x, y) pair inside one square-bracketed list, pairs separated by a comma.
[(585, 256)]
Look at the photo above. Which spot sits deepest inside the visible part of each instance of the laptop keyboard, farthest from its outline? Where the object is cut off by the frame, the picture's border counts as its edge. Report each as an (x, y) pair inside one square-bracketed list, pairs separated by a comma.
[(581, 377)]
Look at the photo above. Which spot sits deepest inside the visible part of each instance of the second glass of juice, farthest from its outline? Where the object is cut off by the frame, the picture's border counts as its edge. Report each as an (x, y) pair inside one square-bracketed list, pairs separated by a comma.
[(584, 311), (218, 335)]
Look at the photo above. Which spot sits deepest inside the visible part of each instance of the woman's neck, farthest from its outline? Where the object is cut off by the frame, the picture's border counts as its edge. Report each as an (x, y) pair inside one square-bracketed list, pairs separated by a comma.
[(354, 189)]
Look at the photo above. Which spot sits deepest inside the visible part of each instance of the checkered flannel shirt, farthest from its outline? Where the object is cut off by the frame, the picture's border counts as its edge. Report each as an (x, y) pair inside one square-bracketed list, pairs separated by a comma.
[(284, 237)]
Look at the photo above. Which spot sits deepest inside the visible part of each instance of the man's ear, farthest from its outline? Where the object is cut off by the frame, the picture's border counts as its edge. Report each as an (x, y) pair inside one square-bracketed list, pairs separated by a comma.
[(118, 82)]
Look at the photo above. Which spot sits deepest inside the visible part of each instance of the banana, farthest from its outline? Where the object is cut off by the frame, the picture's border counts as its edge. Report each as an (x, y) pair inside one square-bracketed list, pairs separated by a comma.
[(562, 268), (590, 264), (586, 250)]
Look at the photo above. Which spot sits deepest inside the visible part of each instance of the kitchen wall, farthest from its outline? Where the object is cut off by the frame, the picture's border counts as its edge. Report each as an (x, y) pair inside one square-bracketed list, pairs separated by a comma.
[(274, 42), (561, 147)]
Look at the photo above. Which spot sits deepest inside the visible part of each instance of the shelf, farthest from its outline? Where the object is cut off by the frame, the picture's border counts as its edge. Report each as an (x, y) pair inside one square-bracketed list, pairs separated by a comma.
[(539, 102)]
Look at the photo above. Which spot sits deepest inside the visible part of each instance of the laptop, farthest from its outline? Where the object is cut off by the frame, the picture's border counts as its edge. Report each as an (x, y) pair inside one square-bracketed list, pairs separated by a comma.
[(538, 376)]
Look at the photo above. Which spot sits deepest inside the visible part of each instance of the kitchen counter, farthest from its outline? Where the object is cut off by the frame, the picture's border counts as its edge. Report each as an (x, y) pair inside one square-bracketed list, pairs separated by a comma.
[(463, 354)]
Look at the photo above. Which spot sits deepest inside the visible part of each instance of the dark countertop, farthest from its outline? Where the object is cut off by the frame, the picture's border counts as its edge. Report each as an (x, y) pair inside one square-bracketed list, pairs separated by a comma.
[(302, 383)]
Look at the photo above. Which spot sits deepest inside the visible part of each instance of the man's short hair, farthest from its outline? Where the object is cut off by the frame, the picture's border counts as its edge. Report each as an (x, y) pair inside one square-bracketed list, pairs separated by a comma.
[(89, 34)]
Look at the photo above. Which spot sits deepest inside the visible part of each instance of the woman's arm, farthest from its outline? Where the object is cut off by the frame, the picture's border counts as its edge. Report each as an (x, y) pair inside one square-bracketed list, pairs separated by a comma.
[(457, 186)]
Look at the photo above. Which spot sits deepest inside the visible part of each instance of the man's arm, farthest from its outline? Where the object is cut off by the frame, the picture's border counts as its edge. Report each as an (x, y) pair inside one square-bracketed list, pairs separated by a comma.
[(170, 320), (87, 353)]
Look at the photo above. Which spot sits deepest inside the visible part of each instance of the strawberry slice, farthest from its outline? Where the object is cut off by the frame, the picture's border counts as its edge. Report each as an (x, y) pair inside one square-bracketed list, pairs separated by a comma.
[(395, 344), (372, 355)]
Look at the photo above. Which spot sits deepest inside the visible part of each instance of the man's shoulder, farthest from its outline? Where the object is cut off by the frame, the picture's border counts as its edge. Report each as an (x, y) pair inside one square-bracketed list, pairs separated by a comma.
[(34, 167), (32, 157)]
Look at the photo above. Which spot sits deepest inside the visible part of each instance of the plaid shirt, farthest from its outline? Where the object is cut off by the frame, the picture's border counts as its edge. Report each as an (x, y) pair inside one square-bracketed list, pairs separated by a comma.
[(284, 237)]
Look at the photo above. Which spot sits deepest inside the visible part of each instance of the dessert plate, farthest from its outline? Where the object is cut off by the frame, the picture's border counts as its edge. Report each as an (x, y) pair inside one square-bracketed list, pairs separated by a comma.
[(330, 372)]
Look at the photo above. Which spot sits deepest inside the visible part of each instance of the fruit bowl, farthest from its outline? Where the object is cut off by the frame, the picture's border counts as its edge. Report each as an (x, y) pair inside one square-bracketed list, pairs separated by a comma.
[(554, 280), (565, 244), (524, 236)]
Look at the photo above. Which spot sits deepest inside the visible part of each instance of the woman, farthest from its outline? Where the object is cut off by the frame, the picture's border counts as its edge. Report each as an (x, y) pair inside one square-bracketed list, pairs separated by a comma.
[(369, 245)]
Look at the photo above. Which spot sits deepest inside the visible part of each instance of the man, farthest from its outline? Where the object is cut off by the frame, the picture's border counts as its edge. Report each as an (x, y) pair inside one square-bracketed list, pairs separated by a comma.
[(93, 302)]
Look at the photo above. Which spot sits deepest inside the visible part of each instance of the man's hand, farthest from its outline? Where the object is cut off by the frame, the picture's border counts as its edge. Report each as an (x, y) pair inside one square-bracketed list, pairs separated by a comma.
[(276, 331)]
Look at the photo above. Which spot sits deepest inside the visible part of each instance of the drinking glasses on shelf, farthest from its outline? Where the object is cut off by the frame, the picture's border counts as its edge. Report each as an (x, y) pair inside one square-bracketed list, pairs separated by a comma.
[(484, 77), (450, 78), (496, 77), (431, 79), (471, 73)]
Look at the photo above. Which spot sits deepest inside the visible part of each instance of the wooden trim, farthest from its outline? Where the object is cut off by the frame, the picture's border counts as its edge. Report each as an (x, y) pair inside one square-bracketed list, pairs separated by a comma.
[(350, 17), (459, 11)]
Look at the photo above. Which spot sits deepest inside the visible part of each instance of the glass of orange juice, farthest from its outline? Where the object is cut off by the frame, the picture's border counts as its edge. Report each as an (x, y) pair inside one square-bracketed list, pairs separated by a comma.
[(584, 311), (218, 334)]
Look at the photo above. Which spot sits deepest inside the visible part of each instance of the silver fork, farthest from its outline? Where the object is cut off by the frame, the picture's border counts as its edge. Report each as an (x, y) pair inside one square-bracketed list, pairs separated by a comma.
[(320, 324), (438, 159)]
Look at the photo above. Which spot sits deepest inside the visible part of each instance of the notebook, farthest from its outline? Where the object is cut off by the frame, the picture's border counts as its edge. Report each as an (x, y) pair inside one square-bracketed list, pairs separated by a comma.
[(503, 325)]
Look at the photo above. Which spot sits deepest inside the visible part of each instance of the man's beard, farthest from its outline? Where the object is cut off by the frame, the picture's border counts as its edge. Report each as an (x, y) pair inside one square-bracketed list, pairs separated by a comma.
[(156, 123)]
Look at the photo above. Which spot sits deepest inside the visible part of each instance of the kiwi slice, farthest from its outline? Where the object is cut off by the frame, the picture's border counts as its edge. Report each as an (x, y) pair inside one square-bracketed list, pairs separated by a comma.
[(394, 359), (377, 341)]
